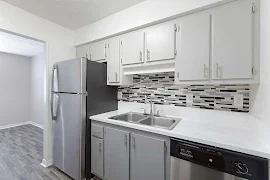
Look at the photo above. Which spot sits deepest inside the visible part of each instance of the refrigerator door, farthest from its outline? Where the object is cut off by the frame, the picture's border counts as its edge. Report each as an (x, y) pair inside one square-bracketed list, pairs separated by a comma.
[(70, 76), (69, 135)]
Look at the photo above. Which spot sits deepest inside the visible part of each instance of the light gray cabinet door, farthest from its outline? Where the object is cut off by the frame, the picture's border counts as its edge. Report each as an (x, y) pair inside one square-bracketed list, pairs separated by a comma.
[(132, 48), (232, 41), (160, 42), (194, 48), (98, 51), (113, 60), (147, 159), (97, 154), (116, 154), (82, 51)]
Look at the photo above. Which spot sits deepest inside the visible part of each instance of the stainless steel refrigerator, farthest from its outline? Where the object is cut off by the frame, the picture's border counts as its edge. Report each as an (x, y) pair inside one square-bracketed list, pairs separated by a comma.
[(79, 90)]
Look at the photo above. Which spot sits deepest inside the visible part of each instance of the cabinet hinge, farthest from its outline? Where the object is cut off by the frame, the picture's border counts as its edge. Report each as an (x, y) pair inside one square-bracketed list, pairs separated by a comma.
[(165, 148), (178, 28), (175, 27), (105, 46), (253, 70), (121, 61), (175, 52), (177, 75), (253, 8)]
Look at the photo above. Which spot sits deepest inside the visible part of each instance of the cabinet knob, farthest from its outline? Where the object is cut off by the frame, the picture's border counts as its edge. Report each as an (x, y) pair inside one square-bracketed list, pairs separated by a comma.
[(133, 142), (218, 69), (100, 147), (205, 71), (116, 76), (126, 139)]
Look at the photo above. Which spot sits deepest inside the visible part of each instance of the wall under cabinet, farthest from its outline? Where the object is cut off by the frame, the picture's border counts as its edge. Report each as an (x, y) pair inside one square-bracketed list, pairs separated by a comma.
[(37, 98), (15, 89), (164, 91)]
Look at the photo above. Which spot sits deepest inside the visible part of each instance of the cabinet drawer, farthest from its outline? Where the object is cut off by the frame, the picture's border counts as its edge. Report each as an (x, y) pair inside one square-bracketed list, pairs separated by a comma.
[(97, 131)]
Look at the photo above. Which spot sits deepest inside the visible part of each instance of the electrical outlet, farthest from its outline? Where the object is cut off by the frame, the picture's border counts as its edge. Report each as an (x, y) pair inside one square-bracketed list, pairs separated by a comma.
[(189, 98), (238, 100)]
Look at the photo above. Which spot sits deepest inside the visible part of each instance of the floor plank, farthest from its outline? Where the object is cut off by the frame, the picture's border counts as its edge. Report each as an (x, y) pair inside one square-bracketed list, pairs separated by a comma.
[(21, 152)]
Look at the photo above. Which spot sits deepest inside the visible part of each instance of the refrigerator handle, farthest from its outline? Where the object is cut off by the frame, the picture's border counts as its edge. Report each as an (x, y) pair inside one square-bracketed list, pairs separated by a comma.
[(54, 101), (53, 76), (52, 95), (52, 91)]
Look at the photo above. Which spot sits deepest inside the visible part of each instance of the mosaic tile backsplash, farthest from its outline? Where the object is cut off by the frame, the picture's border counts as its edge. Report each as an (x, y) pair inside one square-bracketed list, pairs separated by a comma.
[(162, 89)]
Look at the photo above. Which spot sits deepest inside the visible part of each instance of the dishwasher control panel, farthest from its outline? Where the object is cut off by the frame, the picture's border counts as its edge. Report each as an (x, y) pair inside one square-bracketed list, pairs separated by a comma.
[(235, 163)]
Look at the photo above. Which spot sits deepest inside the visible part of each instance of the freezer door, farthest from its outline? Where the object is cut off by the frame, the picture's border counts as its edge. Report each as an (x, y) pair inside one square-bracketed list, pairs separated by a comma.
[(69, 135), (70, 76)]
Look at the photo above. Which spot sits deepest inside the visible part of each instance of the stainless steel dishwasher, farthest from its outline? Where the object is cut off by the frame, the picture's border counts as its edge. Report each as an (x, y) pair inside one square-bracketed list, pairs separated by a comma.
[(193, 161)]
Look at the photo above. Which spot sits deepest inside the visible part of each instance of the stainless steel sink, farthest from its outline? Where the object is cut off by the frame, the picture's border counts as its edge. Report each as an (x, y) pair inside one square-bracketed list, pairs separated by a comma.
[(155, 121), (129, 117), (161, 122)]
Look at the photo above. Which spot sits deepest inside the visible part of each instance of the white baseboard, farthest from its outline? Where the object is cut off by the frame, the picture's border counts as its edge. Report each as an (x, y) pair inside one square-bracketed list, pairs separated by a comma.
[(14, 125), (46, 163), (36, 124)]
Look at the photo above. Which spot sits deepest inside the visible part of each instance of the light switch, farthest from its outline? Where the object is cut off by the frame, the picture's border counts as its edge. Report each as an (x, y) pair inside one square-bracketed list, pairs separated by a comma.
[(238, 100), (189, 98)]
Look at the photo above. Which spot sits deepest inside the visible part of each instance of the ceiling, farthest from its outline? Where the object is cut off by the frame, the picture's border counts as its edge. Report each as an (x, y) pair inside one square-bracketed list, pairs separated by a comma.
[(73, 14), (14, 44)]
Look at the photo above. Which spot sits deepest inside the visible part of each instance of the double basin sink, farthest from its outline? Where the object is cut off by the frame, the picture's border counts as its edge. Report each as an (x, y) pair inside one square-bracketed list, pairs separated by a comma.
[(154, 121)]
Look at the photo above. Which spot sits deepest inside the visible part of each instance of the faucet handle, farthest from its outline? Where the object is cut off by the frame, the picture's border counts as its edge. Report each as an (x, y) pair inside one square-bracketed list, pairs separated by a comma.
[(144, 110), (158, 112)]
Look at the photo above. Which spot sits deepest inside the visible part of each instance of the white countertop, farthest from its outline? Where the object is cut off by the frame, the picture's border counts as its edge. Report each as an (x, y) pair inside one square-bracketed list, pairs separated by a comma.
[(234, 131)]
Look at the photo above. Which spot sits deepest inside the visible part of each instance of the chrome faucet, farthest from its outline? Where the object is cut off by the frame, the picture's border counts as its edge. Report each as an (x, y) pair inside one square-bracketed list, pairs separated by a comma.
[(152, 113)]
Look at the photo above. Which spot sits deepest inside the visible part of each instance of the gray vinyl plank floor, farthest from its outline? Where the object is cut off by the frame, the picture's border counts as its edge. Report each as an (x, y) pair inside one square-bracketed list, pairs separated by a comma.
[(21, 152)]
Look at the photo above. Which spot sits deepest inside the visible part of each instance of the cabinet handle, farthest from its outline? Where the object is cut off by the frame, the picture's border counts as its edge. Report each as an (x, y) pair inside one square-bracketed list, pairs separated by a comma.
[(125, 139), (178, 75), (133, 143), (140, 55), (148, 55), (116, 76), (100, 147), (205, 71), (218, 70)]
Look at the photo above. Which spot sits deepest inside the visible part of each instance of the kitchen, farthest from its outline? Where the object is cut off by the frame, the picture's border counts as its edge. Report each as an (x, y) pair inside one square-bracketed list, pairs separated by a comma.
[(189, 78)]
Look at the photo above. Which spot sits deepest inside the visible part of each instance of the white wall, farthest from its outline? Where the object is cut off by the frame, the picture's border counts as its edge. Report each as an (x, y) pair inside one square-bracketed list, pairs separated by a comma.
[(59, 46), (37, 89), (139, 15), (15, 89), (260, 94)]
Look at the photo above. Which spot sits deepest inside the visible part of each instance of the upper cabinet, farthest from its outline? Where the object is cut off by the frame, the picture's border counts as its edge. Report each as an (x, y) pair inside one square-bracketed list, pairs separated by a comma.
[(98, 51), (113, 60), (219, 45), (193, 48), (132, 48), (232, 41), (160, 42), (82, 51)]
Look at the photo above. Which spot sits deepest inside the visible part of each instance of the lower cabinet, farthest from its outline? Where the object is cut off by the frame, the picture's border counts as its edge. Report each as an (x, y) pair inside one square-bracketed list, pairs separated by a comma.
[(116, 154), (130, 154), (97, 156), (147, 158)]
